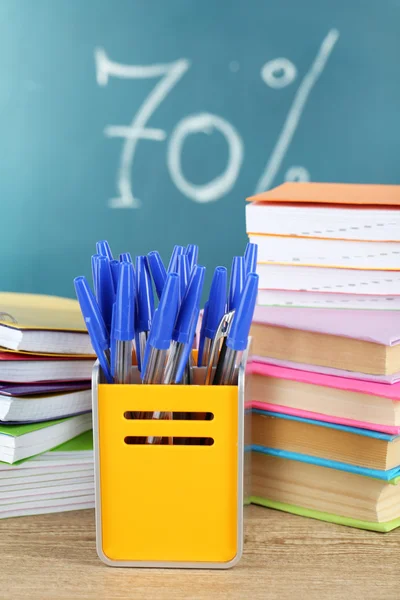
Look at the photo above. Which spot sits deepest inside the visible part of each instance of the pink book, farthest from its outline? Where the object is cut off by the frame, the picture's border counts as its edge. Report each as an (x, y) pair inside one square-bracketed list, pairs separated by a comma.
[(386, 379), (391, 392), (381, 327)]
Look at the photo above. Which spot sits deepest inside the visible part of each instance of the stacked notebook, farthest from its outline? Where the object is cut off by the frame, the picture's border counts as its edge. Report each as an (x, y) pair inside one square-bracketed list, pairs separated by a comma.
[(46, 361), (327, 245), (325, 385), (55, 481)]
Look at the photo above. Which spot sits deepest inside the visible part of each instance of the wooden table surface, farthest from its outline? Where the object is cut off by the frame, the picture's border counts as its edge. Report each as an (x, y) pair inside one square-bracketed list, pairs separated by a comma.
[(286, 557)]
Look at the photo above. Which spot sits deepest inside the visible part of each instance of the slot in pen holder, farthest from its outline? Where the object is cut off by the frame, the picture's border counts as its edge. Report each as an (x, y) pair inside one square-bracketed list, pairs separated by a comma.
[(176, 504)]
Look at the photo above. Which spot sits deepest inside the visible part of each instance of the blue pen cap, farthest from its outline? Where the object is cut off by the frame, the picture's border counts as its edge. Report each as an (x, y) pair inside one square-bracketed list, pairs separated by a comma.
[(190, 306), (192, 252), (183, 270), (105, 289), (250, 258), (103, 248), (114, 264), (124, 313), (175, 253), (145, 297), (165, 315), (126, 257), (216, 302), (157, 271), (239, 332), (236, 282), (90, 310)]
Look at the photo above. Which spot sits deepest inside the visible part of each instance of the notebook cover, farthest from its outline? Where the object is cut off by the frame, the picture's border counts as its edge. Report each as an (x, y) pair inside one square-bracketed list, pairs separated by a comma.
[(392, 392), (80, 443), (381, 327), (306, 414), (19, 390), (386, 379), (18, 430), (46, 420), (35, 311), (322, 516), (388, 475), (379, 435), (332, 193)]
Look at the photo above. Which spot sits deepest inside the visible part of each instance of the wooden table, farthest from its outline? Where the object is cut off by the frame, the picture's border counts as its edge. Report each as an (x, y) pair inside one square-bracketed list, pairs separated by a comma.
[(286, 557)]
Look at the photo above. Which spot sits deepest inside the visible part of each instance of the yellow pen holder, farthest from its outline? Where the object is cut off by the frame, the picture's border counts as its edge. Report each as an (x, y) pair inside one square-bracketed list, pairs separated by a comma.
[(168, 505)]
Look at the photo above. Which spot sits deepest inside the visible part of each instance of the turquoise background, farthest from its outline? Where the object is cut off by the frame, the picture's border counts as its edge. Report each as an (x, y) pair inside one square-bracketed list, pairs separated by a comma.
[(58, 168)]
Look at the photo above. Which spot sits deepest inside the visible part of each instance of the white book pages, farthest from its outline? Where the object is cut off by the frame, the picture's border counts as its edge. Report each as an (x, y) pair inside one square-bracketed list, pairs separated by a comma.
[(29, 371), (317, 279), (345, 223), (40, 507), (328, 253), (321, 300)]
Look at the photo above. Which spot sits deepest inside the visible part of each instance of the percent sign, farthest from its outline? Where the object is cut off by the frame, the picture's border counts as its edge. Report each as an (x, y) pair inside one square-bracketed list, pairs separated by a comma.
[(277, 73)]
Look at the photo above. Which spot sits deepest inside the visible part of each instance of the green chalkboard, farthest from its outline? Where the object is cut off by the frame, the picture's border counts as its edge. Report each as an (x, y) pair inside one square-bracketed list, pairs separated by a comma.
[(147, 122)]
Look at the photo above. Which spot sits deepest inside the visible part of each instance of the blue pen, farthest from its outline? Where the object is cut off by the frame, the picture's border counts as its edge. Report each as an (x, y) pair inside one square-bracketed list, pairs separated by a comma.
[(105, 289), (157, 271), (123, 332), (192, 252), (159, 339), (103, 248), (212, 317), (185, 358), (114, 264), (202, 335), (145, 306), (183, 270), (95, 258), (188, 313), (175, 253), (95, 324), (125, 257), (250, 258), (112, 344), (236, 282), (237, 338)]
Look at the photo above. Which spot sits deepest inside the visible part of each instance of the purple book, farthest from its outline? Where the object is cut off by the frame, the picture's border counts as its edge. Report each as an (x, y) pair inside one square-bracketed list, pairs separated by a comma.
[(34, 389)]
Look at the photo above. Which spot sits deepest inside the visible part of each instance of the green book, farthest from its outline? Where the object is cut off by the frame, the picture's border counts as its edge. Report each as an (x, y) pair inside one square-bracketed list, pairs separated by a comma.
[(80, 443), (383, 527), (18, 442)]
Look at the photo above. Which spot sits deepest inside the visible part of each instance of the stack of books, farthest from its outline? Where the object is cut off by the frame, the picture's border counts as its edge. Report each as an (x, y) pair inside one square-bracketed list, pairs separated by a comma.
[(325, 384), (46, 361)]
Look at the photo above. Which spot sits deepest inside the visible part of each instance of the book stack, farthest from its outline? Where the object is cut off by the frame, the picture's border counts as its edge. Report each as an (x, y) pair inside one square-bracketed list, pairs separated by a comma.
[(325, 384), (46, 361)]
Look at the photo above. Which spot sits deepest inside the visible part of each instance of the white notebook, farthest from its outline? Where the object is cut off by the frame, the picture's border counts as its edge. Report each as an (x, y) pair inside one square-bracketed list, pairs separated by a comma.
[(44, 407), (327, 253), (317, 279), (31, 371), (321, 300), (332, 222)]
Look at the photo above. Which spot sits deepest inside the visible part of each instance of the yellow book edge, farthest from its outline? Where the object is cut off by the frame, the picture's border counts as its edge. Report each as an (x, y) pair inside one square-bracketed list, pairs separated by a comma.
[(41, 355)]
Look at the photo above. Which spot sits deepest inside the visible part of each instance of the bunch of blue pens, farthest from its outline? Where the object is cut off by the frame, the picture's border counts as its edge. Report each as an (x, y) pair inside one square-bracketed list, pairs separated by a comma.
[(122, 320)]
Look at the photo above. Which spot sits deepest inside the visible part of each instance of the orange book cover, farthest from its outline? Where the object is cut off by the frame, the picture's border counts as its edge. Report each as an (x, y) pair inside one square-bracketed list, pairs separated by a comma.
[(332, 193)]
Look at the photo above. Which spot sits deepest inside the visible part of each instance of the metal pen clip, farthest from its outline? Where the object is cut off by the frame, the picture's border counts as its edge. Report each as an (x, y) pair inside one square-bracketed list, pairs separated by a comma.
[(222, 332)]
